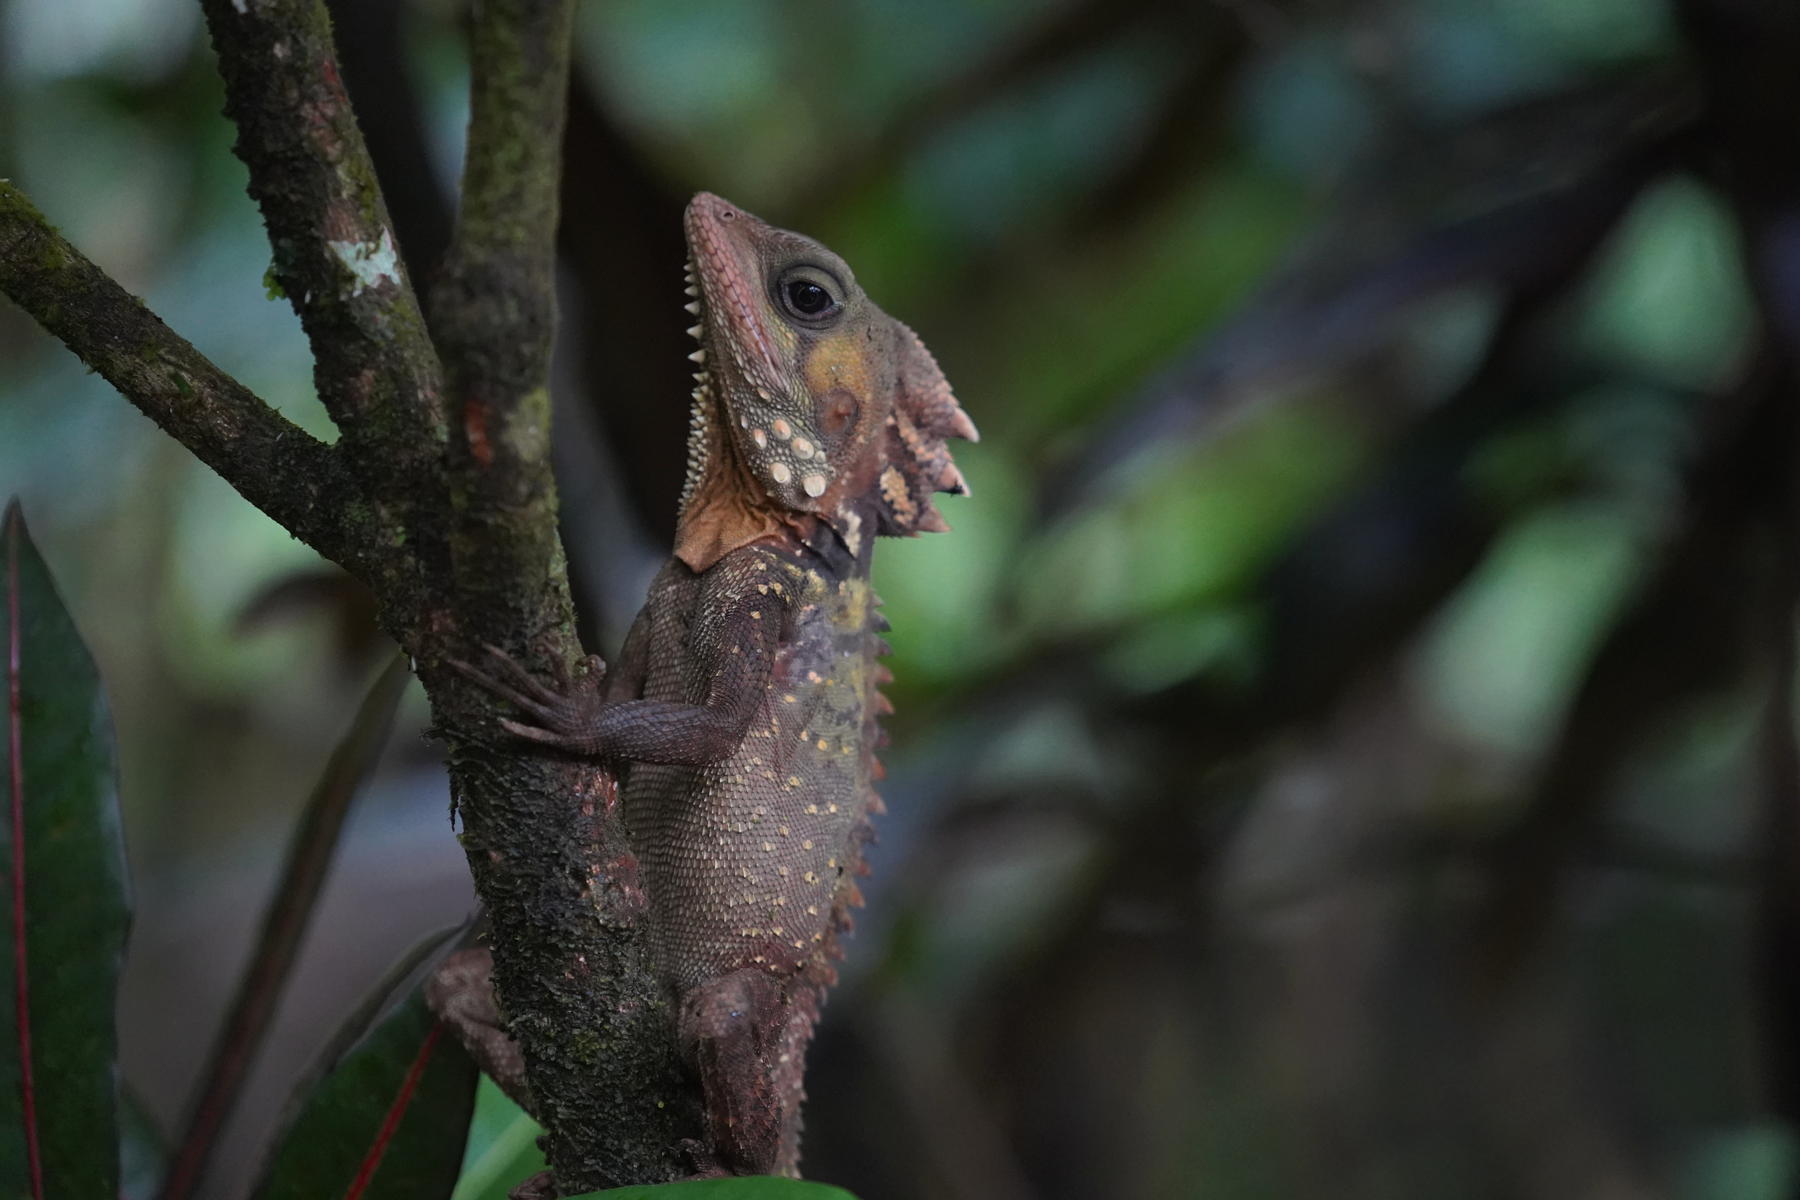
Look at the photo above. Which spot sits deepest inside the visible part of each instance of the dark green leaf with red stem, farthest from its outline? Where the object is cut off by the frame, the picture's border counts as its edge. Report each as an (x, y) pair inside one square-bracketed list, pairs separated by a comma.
[(292, 902), (387, 1117), (64, 902)]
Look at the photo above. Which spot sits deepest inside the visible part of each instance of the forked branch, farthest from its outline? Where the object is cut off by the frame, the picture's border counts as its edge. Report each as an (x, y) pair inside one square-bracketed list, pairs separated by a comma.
[(439, 495), (277, 466)]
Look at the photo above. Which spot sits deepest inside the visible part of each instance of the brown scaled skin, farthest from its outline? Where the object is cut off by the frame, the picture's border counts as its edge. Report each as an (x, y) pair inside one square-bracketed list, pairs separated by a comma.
[(744, 704)]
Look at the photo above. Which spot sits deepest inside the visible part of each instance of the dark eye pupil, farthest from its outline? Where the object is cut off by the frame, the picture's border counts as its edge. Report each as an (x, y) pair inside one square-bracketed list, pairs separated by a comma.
[(808, 298)]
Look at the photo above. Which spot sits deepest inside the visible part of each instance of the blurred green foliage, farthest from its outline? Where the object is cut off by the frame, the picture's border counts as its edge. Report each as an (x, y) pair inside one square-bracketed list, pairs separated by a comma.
[(502, 1147)]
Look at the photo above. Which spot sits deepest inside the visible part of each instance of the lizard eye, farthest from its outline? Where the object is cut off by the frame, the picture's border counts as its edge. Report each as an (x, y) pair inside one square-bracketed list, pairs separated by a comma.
[(808, 298), (809, 295)]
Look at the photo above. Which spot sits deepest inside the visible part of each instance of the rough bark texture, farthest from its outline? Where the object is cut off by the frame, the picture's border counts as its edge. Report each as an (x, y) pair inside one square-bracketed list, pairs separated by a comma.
[(335, 260), (439, 495), (548, 850), (334, 250)]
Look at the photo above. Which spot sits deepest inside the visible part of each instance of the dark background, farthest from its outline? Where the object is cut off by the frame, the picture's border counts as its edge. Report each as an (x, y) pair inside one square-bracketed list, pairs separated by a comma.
[(1346, 747)]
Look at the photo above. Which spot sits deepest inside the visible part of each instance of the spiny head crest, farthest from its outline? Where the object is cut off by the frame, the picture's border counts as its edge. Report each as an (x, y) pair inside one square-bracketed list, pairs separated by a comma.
[(811, 401)]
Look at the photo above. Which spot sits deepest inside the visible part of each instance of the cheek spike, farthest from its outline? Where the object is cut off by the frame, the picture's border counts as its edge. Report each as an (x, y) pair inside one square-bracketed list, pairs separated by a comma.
[(932, 521)]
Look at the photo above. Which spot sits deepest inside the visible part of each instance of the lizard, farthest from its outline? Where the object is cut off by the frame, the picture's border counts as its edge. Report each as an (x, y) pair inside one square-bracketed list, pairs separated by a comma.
[(744, 705)]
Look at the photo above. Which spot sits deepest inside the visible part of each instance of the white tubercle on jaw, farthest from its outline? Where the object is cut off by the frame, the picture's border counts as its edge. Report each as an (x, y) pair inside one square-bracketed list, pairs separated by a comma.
[(759, 437), (779, 472), (780, 428), (802, 447), (814, 485)]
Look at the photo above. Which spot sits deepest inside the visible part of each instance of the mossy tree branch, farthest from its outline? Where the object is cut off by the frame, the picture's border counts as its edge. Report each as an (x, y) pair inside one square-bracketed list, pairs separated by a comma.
[(438, 495), (334, 250), (556, 849), (277, 466), (335, 259), (494, 306)]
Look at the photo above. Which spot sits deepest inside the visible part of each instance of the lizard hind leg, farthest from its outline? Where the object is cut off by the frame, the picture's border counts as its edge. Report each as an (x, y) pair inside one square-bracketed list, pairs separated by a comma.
[(734, 1032), (460, 993)]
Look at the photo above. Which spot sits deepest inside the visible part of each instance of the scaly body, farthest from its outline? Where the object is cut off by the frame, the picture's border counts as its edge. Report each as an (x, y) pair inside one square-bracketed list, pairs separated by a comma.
[(745, 702), (747, 857)]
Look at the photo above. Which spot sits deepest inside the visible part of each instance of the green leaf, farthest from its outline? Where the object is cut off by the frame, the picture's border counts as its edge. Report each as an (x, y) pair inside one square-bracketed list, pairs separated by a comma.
[(64, 902), (741, 1187), (502, 1151), (387, 1118)]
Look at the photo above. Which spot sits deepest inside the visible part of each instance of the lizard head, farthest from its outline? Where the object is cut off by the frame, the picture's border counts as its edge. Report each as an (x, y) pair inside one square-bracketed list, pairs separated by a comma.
[(811, 404)]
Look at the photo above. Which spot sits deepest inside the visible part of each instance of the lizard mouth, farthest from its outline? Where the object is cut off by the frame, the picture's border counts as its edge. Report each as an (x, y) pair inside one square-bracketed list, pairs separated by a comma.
[(733, 356), (748, 412), (724, 277)]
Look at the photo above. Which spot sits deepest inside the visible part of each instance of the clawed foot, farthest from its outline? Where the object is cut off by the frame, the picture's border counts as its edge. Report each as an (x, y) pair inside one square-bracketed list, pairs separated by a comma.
[(564, 714), (702, 1160), (541, 1186)]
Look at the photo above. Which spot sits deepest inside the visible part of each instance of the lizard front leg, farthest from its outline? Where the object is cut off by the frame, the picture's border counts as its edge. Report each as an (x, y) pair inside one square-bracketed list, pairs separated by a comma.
[(460, 992), (732, 1029), (586, 717)]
